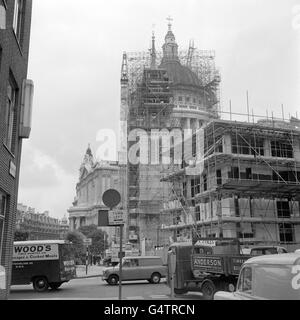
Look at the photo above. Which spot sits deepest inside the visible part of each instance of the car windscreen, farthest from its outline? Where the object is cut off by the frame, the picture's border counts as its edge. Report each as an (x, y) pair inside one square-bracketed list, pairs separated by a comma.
[(276, 282)]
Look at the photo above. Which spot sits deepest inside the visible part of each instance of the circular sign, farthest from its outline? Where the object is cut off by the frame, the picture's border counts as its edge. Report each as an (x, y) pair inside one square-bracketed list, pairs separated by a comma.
[(111, 198)]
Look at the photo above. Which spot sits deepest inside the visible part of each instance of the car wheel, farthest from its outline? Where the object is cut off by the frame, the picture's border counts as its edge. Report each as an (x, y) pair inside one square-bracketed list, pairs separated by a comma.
[(40, 284), (208, 290), (113, 280), (55, 285), (155, 278)]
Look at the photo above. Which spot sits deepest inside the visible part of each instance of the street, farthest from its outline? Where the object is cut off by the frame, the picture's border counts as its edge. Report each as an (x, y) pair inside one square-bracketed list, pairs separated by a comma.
[(95, 288)]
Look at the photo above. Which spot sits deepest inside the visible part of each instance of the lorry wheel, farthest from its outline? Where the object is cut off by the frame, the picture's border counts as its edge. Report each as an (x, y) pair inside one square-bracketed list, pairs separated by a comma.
[(155, 278), (113, 280), (180, 291), (208, 290), (55, 285), (40, 284)]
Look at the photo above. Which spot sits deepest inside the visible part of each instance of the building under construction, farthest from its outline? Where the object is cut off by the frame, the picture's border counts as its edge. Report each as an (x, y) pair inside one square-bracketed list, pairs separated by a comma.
[(245, 183), (160, 91)]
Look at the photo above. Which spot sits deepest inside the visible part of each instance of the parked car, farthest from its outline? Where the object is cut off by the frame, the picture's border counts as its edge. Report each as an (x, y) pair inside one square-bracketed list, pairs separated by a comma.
[(262, 250), (267, 277), (148, 268)]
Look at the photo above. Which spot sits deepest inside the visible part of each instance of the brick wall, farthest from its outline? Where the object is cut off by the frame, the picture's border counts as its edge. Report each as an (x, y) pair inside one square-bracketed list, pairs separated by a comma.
[(14, 61)]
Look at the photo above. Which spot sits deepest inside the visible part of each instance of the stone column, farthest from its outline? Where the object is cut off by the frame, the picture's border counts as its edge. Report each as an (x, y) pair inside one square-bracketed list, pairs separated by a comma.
[(188, 123)]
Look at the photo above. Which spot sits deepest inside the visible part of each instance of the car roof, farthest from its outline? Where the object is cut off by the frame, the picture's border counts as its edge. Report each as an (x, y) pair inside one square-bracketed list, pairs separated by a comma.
[(284, 259), (39, 242), (142, 257), (181, 244), (265, 247)]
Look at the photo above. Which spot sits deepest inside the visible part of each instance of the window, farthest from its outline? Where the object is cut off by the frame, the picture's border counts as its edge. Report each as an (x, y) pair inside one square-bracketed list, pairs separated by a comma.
[(130, 263), (204, 182), (247, 145), (245, 281), (18, 19), (0, 57), (219, 177), (281, 149), (248, 173), (286, 232), (187, 99), (197, 213), (3, 206), (283, 209), (179, 98), (236, 206), (194, 145), (10, 115), (235, 173)]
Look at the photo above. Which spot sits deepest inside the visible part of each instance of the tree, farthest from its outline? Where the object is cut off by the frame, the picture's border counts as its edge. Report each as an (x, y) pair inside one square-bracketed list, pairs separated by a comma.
[(99, 242), (88, 230), (21, 235), (99, 238), (76, 238)]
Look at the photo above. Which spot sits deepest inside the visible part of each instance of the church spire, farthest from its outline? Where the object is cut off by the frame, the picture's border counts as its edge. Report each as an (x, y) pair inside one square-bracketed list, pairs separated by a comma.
[(89, 150), (170, 47), (88, 161), (169, 24), (153, 52)]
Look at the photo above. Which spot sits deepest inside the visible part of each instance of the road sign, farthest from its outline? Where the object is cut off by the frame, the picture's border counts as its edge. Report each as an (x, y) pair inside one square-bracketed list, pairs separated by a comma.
[(116, 218), (111, 198), (87, 241)]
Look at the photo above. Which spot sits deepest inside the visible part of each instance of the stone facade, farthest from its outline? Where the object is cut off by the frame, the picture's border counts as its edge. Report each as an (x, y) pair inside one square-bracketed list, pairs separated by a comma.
[(40, 226), (95, 178)]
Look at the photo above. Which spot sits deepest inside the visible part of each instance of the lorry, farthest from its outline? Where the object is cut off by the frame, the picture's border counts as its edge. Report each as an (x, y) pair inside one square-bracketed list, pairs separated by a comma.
[(44, 263), (208, 265)]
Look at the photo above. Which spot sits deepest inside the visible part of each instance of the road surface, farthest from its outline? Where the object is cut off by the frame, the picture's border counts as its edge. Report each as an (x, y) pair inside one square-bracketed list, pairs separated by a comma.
[(95, 288)]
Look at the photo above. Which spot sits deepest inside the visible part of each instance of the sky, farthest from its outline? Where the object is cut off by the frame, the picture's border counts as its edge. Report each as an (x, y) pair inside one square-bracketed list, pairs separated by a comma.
[(75, 62)]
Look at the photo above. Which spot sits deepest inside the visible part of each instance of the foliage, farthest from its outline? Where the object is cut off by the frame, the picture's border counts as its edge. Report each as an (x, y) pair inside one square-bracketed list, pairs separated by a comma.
[(76, 238), (21, 235), (88, 230), (99, 238)]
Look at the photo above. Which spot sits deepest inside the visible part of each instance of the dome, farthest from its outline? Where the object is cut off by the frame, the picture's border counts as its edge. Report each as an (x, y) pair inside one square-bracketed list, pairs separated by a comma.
[(179, 74)]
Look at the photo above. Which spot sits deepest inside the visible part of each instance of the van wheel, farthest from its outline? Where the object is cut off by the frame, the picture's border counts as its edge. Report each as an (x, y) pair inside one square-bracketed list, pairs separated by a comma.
[(113, 280), (40, 284), (155, 278), (55, 285), (208, 290)]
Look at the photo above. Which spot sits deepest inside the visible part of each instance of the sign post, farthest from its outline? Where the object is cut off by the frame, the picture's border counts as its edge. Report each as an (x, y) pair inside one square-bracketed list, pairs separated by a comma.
[(111, 198), (121, 261), (87, 242)]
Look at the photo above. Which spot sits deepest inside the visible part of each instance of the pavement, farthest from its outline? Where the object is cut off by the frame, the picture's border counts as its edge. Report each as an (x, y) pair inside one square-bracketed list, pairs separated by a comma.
[(92, 271)]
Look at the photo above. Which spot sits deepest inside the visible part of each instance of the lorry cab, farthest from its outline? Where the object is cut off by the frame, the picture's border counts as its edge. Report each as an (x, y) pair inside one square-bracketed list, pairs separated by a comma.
[(268, 277), (183, 268), (44, 263)]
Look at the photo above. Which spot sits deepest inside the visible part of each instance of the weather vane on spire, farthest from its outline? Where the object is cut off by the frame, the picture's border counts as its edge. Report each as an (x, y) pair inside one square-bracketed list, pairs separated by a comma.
[(169, 24)]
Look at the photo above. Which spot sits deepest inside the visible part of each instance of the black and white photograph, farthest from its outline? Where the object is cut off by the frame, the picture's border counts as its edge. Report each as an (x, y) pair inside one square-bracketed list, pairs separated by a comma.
[(149, 153)]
